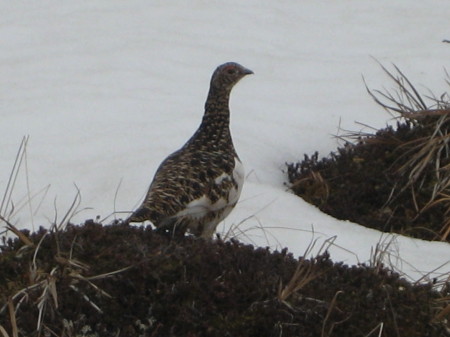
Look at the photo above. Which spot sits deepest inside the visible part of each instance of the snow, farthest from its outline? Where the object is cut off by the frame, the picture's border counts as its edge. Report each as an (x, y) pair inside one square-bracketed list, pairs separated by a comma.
[(106, 89)]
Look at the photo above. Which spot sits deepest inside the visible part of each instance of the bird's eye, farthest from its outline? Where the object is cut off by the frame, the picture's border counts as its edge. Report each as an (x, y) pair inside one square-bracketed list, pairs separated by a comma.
[(231, 71)]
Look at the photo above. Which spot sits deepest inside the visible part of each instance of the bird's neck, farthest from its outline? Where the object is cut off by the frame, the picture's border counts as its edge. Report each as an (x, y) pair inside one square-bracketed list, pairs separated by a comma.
[(214, 131), (217, 101)]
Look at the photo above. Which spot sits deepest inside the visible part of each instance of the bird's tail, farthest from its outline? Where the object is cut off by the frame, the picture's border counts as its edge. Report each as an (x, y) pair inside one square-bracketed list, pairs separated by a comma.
[(139, 215)]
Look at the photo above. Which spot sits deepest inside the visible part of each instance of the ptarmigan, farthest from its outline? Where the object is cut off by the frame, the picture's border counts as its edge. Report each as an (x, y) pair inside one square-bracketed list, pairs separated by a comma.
[(197, 186)]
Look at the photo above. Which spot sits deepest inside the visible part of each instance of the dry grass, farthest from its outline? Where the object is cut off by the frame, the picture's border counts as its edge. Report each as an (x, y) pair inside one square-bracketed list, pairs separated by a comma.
[(44, 281), (306, 271), (417, 156), (7, 206), (424, 160), (12, 317), (198, 287), (381, 255), (317, 187), (442, 304), (432, 113)]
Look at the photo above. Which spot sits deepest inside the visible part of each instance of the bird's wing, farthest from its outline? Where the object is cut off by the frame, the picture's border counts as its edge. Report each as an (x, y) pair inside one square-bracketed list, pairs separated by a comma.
[(189, 184)]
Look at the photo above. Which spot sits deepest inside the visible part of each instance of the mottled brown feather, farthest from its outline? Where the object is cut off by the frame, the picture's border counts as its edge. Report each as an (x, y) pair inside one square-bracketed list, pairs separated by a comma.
[(190, 173)]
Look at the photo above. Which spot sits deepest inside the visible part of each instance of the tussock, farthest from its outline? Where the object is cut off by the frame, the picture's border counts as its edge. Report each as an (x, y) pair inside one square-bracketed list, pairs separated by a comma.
[(395, 180), (131, 281)]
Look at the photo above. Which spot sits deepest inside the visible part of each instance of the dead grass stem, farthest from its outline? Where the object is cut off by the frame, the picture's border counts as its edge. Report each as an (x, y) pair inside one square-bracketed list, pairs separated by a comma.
[(421, 158), (305, 272)]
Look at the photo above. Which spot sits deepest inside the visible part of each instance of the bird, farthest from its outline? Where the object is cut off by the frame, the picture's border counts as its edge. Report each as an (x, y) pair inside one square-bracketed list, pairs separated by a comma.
[(197, 186)]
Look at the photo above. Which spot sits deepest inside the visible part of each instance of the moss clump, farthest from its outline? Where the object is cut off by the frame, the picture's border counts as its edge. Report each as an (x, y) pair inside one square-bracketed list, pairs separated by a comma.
[(394, 180), (366, 183), (192, 287)]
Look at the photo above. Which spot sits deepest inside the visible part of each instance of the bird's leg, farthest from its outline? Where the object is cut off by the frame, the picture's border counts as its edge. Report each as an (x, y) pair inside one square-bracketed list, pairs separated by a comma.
[(175, 228), (179, 228)]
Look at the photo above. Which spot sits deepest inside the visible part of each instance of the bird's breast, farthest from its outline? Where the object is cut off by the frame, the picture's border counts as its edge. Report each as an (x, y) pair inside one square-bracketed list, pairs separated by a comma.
[(224, 193)]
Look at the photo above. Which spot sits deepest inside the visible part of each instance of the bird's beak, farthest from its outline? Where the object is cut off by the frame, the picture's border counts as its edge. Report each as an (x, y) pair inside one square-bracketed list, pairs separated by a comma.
[(248, 72)]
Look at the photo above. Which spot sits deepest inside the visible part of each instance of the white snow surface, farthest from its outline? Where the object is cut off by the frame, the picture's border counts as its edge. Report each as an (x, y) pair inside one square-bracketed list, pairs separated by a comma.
[(107, 89)]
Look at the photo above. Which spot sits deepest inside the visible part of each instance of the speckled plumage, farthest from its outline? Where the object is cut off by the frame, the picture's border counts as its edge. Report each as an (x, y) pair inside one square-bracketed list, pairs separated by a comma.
[(197, 186)]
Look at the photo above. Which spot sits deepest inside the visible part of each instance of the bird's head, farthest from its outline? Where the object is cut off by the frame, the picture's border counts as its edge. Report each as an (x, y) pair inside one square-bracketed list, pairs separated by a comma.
[(227, 75)]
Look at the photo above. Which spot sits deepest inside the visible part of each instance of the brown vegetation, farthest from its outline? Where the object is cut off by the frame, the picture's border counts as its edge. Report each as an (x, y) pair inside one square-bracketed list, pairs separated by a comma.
[(396, 180), (95, 280)]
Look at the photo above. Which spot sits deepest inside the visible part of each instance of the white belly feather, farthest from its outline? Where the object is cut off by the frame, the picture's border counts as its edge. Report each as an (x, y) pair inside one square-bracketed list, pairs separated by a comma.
[(203, 207)]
